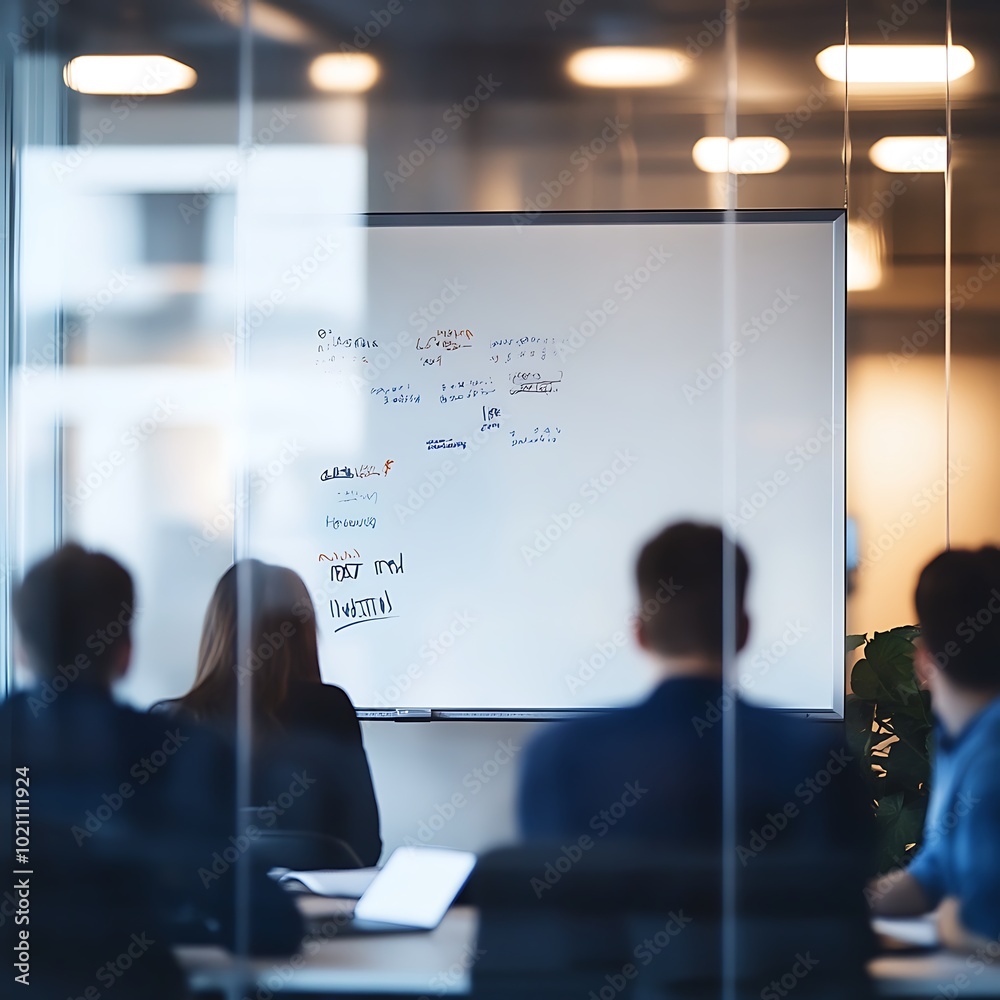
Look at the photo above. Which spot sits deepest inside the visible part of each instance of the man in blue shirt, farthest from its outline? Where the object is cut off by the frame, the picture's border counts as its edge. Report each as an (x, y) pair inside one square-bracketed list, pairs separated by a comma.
[(654, 771), (958, 660)]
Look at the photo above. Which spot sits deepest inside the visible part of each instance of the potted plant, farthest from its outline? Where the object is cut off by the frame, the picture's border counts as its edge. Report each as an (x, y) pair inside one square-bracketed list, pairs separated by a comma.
[(889, 729)]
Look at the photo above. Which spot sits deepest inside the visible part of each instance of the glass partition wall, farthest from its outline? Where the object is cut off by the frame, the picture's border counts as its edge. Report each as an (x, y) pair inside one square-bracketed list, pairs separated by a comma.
[(188, 270)]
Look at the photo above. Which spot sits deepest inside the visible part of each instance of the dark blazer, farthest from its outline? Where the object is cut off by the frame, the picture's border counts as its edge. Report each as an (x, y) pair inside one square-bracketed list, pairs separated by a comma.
[(132, 832), (321, 742), (654, 772)]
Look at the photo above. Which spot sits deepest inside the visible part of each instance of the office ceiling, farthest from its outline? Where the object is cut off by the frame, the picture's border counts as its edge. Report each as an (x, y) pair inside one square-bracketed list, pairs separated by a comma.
[(431, 51)]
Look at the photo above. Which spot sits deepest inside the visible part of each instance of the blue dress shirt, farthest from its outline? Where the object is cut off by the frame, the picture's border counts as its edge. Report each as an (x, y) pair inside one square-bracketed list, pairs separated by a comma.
[(960, 853)]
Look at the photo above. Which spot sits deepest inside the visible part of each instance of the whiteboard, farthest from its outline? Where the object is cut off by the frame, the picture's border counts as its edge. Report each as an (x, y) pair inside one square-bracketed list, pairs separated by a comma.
[(459, 430)]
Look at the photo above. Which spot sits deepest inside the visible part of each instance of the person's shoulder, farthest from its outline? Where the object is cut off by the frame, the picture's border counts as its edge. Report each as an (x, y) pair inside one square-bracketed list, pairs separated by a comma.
[(981, 772), (988, 739), (791, 736), (336, 696), (785, 723), (323, 698), (325, 708), (173, 729), (580, 734)]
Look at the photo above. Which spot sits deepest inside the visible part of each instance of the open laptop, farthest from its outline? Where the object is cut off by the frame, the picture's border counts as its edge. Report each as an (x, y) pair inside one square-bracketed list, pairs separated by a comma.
[(412, 891)]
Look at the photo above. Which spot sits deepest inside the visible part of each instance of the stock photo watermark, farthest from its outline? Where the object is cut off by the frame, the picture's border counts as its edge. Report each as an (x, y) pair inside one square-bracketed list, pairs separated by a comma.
[(143, 770), (219, 180), (601, 823), (643, 955), (455, 117), (36, 21), (263, 307), (921, 503), (65, 674), (713, 29), (591, 491), (241, 842), (420, 321), (101, 470), (796, 459), (87, 310), (806, 791), (366, 33), (604, 652), (927, 330), (899, 14), (781, 987), (428, 656), (221, 523), (580, 160), (760, 665), (597, 317), (473, 782), (750, 332)]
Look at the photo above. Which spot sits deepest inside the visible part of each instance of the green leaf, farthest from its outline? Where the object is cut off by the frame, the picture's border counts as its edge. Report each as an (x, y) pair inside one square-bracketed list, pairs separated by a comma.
[(887, 697), (867, 684), (889, 807), (912, 704), (858, 717), (858, 713), (891, 657), (912, 729), (853, 641), (906, 767), (900, 822)]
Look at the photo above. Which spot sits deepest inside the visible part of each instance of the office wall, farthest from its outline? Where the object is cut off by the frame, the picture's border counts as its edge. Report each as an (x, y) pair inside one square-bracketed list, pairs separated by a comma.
[(450, 784), (899, 468)]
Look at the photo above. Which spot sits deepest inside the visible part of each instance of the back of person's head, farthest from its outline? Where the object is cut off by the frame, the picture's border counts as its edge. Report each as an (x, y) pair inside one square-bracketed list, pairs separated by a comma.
[(74, 613), (958, 607), (682, 581), (260, 629)]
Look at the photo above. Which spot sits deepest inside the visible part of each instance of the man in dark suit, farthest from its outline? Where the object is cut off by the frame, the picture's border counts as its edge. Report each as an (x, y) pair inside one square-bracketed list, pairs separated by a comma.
[(129, 842), (654, 772)]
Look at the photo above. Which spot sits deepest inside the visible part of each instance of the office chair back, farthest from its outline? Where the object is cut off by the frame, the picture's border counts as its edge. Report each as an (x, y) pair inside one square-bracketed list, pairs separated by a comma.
[(626, 921), (300, 850)]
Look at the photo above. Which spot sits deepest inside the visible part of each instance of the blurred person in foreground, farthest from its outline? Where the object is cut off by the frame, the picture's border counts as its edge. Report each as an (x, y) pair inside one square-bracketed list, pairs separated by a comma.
[(654, 771), (957, 867), (260, 630), (126, 813)]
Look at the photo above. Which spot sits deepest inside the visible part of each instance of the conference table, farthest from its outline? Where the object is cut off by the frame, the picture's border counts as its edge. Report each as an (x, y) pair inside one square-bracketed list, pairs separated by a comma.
[(438, 963)]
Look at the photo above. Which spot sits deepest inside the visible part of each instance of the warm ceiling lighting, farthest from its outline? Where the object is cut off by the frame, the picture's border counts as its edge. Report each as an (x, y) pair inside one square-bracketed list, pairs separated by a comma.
[(865, 250), (747, 154), (911, 154), (344, 72), (626, 66), (270, 21), (139, 75), (895, 64)]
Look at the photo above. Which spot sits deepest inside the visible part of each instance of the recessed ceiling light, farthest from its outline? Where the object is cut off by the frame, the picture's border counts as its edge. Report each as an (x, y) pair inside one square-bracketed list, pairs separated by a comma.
[(747, 154), (139, 75), (911, 154), (344, 72), (895, 64), (626, 66)]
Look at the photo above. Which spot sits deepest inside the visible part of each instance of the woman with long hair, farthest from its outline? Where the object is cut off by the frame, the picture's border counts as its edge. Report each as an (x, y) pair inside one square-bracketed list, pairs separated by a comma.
[(260, 631)]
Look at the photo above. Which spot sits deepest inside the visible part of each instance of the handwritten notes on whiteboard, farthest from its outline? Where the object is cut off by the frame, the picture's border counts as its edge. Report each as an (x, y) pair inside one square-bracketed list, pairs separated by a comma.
[(512, 395)]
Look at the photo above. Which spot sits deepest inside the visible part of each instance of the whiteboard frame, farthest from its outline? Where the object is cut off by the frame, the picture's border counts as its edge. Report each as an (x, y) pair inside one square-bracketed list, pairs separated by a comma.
[(837, 218)]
